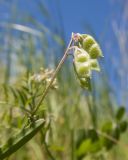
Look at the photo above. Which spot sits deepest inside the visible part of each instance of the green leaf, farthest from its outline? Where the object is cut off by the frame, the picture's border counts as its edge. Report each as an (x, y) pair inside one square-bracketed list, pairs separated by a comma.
[(15, 94), (96, 146), (20, 139), (120, 113), (84, 147), (116, 133), (106, 143), (107, 127), (92, 134), (22, 96), (123, 126)]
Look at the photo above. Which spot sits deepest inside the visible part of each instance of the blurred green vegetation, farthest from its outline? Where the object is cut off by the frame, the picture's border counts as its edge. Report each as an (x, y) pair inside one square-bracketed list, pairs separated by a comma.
[(25, 49)]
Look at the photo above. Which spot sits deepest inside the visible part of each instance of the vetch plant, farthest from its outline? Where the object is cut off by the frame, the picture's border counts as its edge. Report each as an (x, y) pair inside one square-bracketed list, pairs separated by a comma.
[(85, 60), (85, 51)]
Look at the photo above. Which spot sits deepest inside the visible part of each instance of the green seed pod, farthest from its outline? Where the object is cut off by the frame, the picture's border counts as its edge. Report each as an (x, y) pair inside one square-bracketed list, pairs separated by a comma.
[(85, 83), (83, 36), (95, 51), (83, 69), (82, 57), (123, 126), (88, 42), (94, 65), (79, 51), (84, 79)]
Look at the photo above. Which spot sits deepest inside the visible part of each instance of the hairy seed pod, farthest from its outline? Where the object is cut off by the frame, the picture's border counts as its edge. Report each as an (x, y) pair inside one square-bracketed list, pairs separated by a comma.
[(85, 83), (82, 57), (83, 36), (94, 65), (95, 51), (78, 51), (83, 69), (88, 42)]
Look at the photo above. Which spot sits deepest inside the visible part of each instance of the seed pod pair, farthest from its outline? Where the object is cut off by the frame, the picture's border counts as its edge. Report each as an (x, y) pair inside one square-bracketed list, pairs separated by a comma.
[(82, 67), (91, 46), (81, 62)]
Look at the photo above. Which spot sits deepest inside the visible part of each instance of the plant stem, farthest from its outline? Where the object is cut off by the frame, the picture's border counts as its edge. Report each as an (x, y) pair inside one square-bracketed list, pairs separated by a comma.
[(48, 151), (53, 77)]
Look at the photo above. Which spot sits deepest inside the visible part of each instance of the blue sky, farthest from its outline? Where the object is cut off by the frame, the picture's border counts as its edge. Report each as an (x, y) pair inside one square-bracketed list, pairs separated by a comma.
[(76, 15), (79, 13)]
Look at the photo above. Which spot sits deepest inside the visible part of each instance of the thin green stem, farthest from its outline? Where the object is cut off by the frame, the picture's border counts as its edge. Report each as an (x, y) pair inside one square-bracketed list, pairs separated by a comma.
[(53, 77), (48, 151)]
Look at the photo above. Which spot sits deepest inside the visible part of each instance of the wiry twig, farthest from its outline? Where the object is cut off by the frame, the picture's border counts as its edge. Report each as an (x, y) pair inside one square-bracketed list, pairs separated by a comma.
[(53, 77)]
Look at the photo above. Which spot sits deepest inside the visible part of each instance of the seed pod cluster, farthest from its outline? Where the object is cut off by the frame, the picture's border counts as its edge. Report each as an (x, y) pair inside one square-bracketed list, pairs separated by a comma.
[(86, 53)]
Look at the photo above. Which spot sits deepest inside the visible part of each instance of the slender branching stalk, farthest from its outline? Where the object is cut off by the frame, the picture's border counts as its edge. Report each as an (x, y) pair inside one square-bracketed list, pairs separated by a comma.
[(54, 76)]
